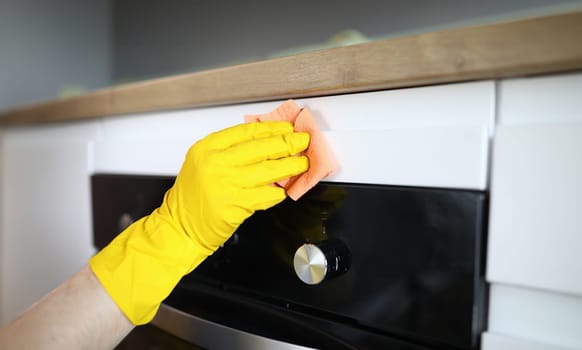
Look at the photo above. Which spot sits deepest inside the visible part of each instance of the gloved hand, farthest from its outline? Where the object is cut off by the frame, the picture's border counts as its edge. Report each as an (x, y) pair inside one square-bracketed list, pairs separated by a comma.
[(225, 178)]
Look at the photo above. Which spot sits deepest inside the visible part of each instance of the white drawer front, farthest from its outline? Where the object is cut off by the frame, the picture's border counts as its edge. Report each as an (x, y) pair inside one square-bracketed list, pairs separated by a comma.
[(535, 231), (493, 341), (430, 136), (538, 316), (439, 157), (542, 100)]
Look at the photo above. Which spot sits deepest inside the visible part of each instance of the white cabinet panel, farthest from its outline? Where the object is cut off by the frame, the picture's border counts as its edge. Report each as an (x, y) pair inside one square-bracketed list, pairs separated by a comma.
[(437, 157), (452, 105), (46, 228), (430, 136), (542, 317), (549, 99), (492, 341), (157, 143), (535, 232)]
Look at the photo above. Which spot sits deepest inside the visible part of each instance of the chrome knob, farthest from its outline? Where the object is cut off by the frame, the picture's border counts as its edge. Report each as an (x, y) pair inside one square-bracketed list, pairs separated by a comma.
[(315, 263), (124, 221)]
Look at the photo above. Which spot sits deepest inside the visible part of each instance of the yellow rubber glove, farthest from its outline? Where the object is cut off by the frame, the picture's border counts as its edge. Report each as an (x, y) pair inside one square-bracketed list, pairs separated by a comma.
[(225, 178)]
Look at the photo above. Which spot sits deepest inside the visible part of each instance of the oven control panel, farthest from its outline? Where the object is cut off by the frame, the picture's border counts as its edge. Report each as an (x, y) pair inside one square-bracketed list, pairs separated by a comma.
[(369, 264)]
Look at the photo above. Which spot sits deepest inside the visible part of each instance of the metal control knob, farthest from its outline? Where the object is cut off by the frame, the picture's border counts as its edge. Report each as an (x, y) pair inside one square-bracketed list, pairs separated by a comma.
[(124, 221), (315, 263)]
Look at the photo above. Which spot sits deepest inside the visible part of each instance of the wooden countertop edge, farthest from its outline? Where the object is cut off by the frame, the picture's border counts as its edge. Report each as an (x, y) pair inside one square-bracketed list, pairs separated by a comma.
[(548, 44)]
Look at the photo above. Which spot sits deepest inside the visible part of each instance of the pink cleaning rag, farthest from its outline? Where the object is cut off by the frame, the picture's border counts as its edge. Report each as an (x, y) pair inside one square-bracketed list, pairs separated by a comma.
[(321, 161)]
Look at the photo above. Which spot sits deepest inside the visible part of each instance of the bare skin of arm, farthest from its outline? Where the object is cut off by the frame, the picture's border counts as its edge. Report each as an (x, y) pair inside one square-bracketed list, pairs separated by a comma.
[(79, 314)]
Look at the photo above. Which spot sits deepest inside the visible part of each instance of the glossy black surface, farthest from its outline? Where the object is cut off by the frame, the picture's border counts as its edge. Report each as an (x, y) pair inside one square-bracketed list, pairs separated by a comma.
[(116, 196), (337, 255), (415, 274)]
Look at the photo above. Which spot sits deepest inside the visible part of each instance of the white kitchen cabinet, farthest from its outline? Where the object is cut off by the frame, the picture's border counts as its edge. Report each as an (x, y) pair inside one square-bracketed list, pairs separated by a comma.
[(535, 236), (436, 136), (539, 316), (431, 136), (533, 260), (551, 99), (492, 341), (46, 222)]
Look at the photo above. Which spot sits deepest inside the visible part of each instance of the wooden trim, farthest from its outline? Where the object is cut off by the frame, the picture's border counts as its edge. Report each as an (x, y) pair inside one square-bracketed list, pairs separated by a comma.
[(525, 47)]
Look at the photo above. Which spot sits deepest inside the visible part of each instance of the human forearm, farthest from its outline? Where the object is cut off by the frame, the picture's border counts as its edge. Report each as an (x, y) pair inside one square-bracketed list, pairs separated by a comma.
[(79, 314)]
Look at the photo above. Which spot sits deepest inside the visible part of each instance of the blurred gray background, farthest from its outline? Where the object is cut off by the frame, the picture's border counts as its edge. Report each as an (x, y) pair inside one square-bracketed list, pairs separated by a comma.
[(63, 47)]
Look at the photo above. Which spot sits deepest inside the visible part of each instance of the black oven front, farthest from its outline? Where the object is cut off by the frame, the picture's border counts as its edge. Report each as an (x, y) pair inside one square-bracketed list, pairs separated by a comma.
[(348, 266)]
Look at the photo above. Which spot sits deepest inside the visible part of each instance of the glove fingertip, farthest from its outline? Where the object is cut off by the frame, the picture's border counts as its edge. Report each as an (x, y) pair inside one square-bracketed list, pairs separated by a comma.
[(301, 164), (298, 142)]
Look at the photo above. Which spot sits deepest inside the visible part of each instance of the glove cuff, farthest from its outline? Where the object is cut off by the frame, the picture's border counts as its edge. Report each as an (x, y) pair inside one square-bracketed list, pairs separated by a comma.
[(142, 265)]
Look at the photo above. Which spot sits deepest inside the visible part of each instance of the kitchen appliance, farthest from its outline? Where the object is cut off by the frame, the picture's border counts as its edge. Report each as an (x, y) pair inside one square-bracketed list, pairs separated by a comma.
[(348, 266)]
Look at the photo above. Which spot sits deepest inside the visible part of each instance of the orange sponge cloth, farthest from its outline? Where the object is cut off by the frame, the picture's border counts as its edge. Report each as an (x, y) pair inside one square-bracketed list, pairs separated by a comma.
[(321, 161)]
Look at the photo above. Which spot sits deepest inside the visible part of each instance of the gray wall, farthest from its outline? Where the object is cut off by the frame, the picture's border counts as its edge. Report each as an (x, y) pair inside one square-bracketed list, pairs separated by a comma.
[(156, 38), (46, 46)]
